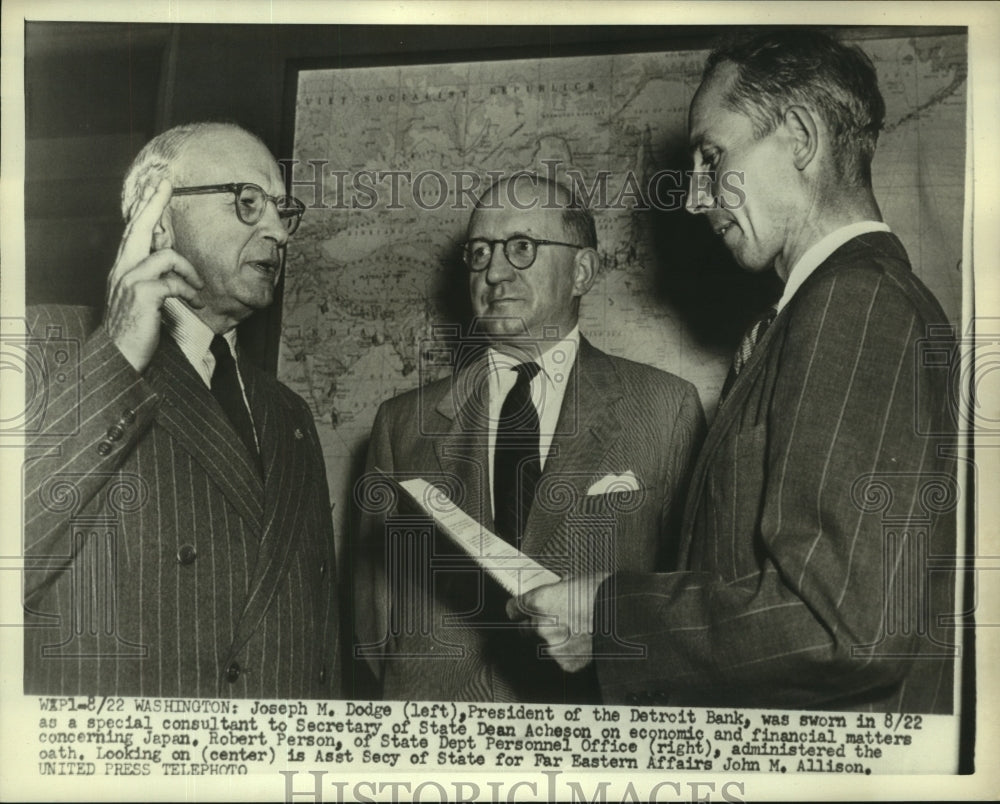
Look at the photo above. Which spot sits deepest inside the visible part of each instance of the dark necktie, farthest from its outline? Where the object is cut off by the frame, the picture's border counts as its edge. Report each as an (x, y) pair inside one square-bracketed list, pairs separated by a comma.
[(746, 347), (226, 389), (516, 462)]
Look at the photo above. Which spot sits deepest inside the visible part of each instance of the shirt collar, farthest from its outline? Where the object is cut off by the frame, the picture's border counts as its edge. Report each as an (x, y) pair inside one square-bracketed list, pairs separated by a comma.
[(193, 336), (554, 363), (817, 253)]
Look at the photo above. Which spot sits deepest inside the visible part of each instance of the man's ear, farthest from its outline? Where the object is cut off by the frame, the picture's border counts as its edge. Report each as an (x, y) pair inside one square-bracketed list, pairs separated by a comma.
[(585, 267), (163, 232), (802, 127)]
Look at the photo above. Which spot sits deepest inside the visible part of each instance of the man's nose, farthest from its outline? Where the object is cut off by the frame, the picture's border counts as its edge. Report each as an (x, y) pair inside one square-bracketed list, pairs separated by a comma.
[(272, 225), (499, 268), (700, 197)]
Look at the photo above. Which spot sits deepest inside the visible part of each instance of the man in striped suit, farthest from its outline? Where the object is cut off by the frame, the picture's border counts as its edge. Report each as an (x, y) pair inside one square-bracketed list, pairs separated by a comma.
[(826, 488), (178, 537)]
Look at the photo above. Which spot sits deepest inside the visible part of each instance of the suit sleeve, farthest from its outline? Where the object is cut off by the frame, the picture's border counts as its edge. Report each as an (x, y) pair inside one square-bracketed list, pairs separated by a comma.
[(90, 407), (794, 630), (680, 452)]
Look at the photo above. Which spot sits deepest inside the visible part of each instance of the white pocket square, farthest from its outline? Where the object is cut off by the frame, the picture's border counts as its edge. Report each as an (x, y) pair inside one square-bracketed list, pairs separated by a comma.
[(614, 484)]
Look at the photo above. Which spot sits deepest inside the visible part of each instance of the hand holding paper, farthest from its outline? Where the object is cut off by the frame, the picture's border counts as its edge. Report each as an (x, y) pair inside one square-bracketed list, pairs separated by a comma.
[(562, 612), (563, 615)]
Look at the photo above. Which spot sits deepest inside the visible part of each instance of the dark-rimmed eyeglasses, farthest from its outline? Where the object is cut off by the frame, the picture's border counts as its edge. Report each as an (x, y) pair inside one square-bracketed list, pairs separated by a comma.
[(251, 202), (520, 251)]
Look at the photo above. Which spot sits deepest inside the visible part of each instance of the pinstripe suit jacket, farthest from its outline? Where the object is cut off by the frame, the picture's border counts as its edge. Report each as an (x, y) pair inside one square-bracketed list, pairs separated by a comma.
[(432, 633), (816, 506), (158, 562)]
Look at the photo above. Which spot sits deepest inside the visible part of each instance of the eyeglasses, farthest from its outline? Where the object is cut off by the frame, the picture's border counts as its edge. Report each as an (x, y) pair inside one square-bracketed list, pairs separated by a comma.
[(520, 251), (251, 202)]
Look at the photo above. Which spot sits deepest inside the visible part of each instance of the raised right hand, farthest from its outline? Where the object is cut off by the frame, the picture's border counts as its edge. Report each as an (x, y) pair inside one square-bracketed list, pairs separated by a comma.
[(142, 279)]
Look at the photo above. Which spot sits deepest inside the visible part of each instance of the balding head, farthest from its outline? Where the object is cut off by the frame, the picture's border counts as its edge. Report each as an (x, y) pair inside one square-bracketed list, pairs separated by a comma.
[(238, 258), (160, 158), (529, 190)]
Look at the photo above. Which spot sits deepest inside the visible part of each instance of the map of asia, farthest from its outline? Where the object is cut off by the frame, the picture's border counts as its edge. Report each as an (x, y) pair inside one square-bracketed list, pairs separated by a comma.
[(390, 159)]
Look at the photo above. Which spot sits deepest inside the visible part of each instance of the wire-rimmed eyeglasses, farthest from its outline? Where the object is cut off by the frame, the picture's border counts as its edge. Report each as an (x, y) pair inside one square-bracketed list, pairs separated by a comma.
[(520, 251), (251, 202)]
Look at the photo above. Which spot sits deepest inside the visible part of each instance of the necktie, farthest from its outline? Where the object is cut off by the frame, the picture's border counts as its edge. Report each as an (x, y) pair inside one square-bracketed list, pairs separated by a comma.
[(226, 389), (516, 463), (746, 347)]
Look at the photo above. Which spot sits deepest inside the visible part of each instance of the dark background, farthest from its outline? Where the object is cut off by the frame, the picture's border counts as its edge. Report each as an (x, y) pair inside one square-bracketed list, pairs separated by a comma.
[(95, 93)]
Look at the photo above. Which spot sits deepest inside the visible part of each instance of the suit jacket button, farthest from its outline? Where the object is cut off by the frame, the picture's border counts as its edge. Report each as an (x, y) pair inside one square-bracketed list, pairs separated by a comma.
[(186, 554), (322, 569), (103, 448), (128, 416), (115, 432), (322, 675), (233, 672)]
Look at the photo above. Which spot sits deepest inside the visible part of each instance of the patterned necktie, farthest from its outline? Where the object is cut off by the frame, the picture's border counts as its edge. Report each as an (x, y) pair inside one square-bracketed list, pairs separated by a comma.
[(516, 462), (227, 390), (746, 347)]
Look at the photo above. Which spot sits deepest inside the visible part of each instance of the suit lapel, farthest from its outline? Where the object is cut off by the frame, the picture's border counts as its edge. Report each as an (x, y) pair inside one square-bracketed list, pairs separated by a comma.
[(463, 451), (196, 422), (586, 430), (728, 415), (286, 487), (273, 506), (462, 454), (732, 409)]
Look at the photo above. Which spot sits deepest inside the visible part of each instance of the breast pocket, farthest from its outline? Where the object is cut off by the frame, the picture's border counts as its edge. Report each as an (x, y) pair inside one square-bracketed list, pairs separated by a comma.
[(616, 531), (615, 503)]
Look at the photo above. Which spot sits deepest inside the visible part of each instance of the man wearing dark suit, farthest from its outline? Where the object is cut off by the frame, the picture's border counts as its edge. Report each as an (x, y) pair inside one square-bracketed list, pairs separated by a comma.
[(608, 449), (825, 486), (178, 537)]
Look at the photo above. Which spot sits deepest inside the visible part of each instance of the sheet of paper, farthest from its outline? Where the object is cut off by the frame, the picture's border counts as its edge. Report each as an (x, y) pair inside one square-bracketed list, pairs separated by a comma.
[(512, 569)]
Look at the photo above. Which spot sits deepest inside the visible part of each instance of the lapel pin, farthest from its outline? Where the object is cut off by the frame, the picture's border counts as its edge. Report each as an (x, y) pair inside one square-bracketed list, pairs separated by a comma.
[(298, 434)]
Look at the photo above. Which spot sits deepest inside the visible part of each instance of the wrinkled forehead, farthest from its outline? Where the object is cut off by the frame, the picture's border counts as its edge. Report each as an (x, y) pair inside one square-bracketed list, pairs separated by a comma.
[(220, 157)]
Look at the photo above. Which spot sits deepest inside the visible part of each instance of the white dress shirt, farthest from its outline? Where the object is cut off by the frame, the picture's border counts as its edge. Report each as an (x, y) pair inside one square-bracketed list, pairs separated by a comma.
[(817, 253), (194, 337), (548, 389)]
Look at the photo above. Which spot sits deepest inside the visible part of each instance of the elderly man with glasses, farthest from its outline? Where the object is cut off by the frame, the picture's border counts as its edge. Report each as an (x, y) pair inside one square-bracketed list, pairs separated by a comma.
[(575, 457), (178, 538)]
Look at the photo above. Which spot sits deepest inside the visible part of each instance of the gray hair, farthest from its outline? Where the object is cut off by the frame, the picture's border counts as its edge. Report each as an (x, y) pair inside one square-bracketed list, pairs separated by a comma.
[(779, 68), (158, 157)]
